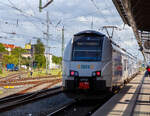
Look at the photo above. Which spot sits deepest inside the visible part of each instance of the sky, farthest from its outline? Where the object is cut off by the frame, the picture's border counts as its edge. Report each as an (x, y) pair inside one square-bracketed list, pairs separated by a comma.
[(21, 22)]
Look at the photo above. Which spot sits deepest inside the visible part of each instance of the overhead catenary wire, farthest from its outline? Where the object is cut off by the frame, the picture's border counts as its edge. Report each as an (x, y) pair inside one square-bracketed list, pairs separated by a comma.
[(26, 14), (58, 23), (33, 37), (93, 2), (23, 13)]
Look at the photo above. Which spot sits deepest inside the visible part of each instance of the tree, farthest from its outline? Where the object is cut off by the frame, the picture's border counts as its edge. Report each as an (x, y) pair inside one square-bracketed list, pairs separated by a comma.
[(39, 54), (41, 61), (2, 48), (26, 61), (18, 51), (16, 54), (39, 47), (9, 59), (14, 58), (57, 60)]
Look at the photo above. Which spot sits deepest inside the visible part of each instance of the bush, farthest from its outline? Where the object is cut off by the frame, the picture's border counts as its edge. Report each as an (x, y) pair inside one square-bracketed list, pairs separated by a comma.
[(1, 71)]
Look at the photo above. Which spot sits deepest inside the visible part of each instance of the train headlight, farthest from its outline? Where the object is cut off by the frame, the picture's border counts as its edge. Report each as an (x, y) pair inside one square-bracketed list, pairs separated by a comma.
[(96, 74), (93, 74), (74, 73)]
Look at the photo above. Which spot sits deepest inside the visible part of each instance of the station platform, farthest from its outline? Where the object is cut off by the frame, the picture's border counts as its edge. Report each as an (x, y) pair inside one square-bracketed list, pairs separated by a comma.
[(132, 100)]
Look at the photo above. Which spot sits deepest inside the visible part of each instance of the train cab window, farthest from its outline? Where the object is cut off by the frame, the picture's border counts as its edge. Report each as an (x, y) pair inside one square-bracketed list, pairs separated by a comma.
[(87, 48)]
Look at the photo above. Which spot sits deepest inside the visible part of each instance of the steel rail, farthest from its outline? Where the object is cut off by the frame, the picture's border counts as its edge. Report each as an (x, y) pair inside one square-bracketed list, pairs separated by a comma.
[(11, 102)]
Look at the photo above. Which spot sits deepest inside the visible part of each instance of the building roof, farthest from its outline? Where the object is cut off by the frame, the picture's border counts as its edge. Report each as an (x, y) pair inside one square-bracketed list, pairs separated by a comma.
[(139, 10), (10, 46), (120, 8)]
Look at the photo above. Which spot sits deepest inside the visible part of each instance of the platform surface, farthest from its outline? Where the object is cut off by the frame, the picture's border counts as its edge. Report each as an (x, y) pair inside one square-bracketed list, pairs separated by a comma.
[(132, 100)]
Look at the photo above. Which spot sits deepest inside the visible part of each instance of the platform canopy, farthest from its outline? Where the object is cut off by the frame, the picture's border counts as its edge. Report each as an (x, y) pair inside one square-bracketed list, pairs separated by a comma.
[(136, 13)]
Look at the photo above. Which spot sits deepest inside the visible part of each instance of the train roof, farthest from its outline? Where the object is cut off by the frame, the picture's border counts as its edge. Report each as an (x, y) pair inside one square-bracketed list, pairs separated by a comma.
[(89, 32), (123, 51)]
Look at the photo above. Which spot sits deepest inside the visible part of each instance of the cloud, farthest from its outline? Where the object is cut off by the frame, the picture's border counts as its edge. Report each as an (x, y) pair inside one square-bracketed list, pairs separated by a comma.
[(82, 19), (75, 16)]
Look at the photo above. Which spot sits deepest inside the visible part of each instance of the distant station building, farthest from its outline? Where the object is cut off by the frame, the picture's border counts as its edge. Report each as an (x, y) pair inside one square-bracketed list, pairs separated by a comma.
[(51, 65), (9, 47), (31, 49), (28, 54)]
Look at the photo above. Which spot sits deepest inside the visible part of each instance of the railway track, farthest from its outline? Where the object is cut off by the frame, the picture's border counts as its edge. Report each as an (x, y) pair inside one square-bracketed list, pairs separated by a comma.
[(12, 76), (77, 106), (50, 84), (81, 107), (28, 79), (85, 107), (10, 102), (17, 83)]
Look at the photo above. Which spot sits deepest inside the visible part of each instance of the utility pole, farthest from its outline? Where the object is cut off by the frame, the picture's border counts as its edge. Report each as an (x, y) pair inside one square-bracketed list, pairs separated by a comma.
[(92, 23), (32, 60), (62, 50), (47, 38), (49, 58), (40, 5)]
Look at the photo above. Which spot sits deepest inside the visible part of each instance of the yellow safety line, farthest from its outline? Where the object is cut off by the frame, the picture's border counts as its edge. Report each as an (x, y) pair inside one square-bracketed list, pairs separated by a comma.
[(6, 87), (12, 87)]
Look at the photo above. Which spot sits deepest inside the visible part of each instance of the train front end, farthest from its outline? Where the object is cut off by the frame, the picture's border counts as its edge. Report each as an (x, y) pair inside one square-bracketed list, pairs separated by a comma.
[(82, 64)]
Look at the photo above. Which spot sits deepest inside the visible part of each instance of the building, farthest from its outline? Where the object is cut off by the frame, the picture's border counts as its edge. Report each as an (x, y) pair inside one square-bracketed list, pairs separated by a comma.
[(28, 54), (9, 47), (31, 49), (51, 65)]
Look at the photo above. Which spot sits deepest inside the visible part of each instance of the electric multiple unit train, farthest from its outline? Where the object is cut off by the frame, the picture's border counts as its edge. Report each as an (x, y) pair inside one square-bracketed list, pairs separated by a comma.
[(92, 61)]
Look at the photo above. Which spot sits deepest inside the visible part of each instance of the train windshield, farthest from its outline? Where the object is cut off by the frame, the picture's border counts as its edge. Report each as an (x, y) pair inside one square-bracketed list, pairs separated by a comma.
[(87, 48)]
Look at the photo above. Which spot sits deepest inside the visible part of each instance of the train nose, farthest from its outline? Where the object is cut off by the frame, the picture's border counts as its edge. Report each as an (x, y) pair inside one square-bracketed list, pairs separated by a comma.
[(85, 70)]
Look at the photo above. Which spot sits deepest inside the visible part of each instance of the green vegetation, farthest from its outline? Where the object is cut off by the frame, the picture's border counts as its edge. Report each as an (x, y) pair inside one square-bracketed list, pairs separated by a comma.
[(2, 48), (26, 61), (1, 71), (14, 58), (10, 59), (39, 60), (42, 73), (55, 72), (57, 60), (6, 73), (39, 54)]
